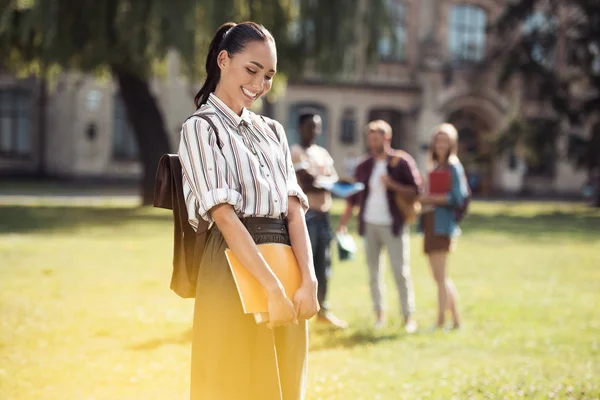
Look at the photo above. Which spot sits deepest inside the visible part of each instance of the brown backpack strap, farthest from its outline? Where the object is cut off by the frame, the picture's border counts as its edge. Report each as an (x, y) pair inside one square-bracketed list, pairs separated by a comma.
[(395, 160), (212, 125)]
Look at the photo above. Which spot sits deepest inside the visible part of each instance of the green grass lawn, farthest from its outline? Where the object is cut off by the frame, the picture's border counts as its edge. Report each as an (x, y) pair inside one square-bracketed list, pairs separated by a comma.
[(86, 311)]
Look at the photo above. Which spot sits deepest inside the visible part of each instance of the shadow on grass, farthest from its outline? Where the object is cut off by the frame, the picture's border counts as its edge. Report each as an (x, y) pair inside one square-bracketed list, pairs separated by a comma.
[(331, 339), (23, 219), (582, 225), (184, 338), (321, 340)]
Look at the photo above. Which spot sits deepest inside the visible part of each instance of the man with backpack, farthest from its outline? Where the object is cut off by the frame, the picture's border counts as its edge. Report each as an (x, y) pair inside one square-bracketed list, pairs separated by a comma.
[(386, 174)]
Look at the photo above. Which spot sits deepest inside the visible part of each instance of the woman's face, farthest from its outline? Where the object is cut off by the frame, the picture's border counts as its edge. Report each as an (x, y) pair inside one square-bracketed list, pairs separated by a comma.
[(247, 75), (442, 146)]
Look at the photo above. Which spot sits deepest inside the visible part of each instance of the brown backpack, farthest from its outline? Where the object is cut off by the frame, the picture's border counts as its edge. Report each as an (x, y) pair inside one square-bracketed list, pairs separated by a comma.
[(409, 209), (188, 245)]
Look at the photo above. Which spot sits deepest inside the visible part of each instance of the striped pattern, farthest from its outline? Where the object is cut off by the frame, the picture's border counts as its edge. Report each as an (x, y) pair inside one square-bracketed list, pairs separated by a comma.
[(253, 171)]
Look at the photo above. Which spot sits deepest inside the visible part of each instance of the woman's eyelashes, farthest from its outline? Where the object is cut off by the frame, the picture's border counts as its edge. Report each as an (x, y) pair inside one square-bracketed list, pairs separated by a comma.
[(252, 72)]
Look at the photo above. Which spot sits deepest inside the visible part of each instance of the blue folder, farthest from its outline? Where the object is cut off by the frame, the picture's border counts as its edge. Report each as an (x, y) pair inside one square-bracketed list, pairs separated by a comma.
[(343, 189)]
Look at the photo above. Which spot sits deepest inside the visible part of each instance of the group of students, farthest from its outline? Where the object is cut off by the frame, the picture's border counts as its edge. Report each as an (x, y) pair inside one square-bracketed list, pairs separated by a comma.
[(240, 175), (386, 173)]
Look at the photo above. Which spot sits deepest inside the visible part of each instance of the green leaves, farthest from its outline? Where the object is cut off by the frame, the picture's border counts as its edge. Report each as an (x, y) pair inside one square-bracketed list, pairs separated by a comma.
[(532, 139), (556, 50), (91, 34), (86, 34), (557, 44)]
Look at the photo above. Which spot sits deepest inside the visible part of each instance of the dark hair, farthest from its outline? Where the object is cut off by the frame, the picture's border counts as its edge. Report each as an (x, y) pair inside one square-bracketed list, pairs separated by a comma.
[(233, 38), (306, 117)]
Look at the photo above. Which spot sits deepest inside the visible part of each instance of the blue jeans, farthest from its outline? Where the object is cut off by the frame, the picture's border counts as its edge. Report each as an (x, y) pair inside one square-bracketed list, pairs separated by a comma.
[(319, 230)]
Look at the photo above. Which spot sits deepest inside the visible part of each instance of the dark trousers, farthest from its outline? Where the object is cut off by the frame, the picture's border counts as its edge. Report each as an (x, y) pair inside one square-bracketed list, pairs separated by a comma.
[(319, 230)]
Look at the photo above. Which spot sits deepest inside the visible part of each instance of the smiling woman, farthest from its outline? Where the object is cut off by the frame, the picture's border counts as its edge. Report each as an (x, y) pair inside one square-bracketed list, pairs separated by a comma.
[(240, 65), (238, 176)]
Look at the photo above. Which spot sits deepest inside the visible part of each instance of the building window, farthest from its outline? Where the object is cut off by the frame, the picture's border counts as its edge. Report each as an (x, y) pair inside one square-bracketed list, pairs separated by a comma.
[(392, 43), (467, 33), (298, 109), (124, 143), (15, 125), (348, 131)]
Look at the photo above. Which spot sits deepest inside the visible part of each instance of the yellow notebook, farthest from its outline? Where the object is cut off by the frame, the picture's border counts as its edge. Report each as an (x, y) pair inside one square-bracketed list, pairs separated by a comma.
[(283, 263)]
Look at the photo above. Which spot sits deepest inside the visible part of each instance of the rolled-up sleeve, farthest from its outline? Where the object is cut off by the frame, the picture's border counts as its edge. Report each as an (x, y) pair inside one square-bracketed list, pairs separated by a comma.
[(206, 179), (293, 188)]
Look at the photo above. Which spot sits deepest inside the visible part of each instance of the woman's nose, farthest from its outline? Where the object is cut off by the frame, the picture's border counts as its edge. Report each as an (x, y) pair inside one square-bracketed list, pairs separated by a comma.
[(257, 83)]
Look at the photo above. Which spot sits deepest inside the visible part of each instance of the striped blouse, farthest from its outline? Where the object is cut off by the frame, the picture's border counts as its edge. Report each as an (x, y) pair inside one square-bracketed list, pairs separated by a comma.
[(253, 170)]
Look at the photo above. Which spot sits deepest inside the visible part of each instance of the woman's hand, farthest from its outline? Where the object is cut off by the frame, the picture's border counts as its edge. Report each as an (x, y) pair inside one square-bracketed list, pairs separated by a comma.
[(281, 309), (305, 301), (425, 200)]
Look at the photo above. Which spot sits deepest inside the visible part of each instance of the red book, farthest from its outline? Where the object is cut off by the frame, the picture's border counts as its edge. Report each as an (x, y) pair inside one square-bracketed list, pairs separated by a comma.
[(439, 181)]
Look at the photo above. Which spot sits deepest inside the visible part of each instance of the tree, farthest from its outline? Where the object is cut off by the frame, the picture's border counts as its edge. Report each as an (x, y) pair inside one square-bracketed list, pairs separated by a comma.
[(125, 38), (128, 38), (555, 46)]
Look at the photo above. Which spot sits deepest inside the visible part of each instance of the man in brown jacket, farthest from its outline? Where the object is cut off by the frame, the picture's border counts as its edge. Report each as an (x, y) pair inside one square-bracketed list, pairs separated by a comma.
[(381, 221)]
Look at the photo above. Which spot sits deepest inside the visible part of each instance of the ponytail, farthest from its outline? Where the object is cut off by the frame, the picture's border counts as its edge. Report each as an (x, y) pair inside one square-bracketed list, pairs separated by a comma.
[(213, 72)]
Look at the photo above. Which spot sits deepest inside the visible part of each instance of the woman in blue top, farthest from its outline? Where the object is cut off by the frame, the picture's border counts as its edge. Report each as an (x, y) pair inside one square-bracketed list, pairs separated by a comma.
[(438, 219)]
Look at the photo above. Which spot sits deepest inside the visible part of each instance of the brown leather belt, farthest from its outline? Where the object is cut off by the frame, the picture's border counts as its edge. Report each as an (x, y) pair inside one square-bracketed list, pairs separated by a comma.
[(265, 225)]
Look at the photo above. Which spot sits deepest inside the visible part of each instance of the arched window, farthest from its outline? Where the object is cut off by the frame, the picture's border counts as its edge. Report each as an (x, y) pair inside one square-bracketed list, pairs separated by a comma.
[(467, 33), (392, 43), (292, 124), (124, 143), (15, 126)]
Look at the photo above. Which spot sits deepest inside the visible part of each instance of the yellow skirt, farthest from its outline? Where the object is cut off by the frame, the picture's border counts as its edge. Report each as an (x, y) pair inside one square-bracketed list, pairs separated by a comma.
[(233, 358)]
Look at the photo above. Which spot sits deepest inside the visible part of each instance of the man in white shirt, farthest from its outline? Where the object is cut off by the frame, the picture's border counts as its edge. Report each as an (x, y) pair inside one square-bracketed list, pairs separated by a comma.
[(314, 167), (380, 219)]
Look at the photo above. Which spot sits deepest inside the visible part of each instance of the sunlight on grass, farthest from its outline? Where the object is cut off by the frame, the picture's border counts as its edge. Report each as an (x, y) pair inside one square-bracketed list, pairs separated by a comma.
[(86, 311)]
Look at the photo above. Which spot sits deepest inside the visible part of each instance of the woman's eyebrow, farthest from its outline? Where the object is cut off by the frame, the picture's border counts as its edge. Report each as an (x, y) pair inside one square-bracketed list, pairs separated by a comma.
[(259, 65)]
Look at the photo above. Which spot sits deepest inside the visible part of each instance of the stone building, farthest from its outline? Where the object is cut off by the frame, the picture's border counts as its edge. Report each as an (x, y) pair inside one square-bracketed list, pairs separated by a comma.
[(427, 77)]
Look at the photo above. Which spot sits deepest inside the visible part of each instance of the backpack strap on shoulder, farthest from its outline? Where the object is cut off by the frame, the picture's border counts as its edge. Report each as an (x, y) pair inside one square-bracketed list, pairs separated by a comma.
[(212, 125)]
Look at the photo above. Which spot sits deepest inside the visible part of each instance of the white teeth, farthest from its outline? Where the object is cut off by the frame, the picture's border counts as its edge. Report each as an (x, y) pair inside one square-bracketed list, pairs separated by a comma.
[(249, 93)]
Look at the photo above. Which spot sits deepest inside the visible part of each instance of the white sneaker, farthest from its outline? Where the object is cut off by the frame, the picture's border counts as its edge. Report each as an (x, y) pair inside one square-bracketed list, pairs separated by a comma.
[(411, 326)]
